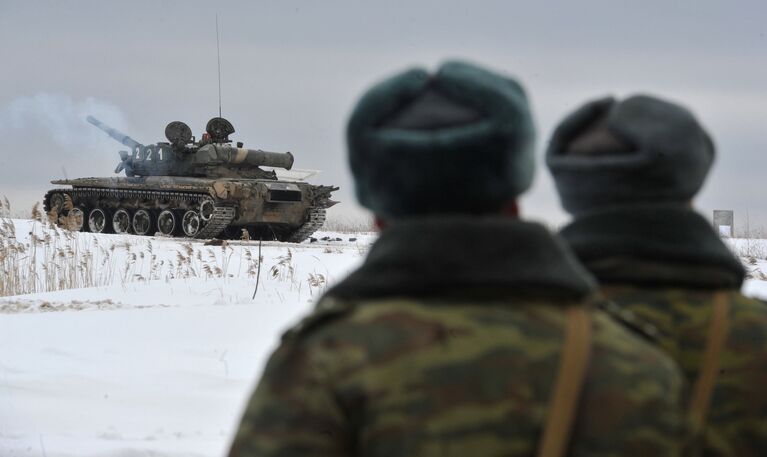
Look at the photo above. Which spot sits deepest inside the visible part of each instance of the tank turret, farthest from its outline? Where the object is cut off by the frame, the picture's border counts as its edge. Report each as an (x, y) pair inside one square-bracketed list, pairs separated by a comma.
[(213, 156), (197, 189)]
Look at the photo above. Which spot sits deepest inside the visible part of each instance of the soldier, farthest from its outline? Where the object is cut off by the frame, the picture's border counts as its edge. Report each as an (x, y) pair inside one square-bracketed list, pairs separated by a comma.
[(627, 171), (466, 331)]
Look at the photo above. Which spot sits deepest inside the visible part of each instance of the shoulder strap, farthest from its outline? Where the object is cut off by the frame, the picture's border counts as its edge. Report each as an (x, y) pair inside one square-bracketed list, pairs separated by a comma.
[(706, 382), (568, 385)]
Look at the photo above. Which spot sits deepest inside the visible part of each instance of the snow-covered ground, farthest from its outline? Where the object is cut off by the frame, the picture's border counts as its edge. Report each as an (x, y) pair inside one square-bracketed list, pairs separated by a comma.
[(753, 254), (159, 356), (160, 362)]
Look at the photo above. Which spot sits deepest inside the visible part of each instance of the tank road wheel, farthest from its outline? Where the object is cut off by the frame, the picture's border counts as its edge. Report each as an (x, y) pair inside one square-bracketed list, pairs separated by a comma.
[(57, 203), (207, 208), (167, 223), (191, 223), (97, 221), (142, 222), (75, 220), (121, 221)]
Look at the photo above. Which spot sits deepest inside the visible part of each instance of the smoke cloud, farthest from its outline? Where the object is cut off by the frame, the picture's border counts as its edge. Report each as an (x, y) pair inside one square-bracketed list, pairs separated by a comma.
[(62, 118), (51, 140)]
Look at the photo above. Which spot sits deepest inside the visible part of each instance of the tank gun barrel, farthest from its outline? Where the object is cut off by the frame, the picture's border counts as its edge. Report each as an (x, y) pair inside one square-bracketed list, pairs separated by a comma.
[(255, 157), (115, 134)]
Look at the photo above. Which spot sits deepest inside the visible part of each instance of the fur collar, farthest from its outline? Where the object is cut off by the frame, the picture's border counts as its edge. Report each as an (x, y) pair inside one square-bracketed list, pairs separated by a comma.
[(653, 245), (459, 256)]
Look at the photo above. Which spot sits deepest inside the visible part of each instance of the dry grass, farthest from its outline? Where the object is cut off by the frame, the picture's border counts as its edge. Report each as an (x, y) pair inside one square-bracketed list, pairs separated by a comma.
[(283, 269), (46, 255), (753, 271), (52, 257), (751, 248), (750, 242), (317, 281), (5, 208)]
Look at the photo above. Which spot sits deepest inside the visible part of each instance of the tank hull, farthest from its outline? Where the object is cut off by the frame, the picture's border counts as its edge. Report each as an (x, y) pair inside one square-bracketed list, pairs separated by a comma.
[(193, 207)]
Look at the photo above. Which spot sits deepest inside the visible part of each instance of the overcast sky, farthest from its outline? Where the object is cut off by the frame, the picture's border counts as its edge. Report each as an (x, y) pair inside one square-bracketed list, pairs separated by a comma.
[(291, 71)]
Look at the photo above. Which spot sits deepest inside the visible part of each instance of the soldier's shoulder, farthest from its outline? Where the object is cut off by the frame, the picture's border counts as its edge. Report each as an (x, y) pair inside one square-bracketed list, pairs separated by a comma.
[(749, 317), (328, 310), (629, 320), (621, 336), (758, 305)]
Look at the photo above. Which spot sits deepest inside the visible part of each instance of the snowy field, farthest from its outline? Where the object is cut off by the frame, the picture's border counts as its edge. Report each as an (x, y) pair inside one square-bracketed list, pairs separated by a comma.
[(158, 358), (156, 351)]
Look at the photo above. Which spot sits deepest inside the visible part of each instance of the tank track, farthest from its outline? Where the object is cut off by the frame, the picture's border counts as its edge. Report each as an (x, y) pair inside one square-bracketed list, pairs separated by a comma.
[(221, 218), (314, 223)]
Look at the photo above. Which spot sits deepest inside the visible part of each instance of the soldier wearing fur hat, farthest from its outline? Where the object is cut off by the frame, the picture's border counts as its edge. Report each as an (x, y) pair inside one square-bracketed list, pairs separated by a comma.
[(466, 331), (628, 170)]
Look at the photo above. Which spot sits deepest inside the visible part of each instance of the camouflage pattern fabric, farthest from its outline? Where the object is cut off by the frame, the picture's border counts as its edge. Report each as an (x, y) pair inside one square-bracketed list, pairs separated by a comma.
[(737, 420), (400, 377)]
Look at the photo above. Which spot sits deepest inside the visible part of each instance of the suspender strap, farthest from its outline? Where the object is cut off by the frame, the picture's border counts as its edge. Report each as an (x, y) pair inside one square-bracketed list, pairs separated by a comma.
[(706, 382), (568, 385)]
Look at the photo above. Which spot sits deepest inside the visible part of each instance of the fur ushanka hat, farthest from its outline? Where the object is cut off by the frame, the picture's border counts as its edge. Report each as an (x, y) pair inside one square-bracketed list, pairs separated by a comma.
[(457, 141), (637, 151)]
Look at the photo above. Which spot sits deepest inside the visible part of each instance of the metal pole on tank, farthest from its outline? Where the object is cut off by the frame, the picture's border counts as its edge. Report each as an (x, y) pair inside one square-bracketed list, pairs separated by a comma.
[(218, 58)]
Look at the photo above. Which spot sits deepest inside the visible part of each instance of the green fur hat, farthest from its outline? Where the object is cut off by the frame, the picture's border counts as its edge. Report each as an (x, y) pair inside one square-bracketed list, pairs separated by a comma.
[(637, 151), (457, 141)]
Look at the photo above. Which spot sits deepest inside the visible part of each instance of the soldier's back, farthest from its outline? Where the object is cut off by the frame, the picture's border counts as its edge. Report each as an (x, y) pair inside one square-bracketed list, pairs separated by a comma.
[(455, 377), (737, 418)]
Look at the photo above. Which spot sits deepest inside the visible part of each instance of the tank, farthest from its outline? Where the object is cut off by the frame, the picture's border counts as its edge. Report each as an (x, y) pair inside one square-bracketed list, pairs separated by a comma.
[(196, 189)]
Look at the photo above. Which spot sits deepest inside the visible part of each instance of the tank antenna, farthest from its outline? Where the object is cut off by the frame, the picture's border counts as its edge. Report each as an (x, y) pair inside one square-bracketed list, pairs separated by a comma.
[(218, 56)]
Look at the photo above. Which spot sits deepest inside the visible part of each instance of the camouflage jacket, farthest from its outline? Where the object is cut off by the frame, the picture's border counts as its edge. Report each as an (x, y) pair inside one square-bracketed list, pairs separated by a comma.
[(667, 266), (446, 342)]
